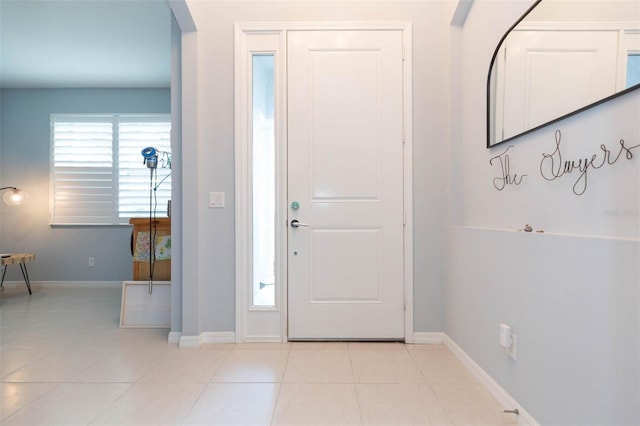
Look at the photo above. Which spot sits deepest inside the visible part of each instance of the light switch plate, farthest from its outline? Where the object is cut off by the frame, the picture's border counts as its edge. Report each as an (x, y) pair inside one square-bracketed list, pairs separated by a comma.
[(216, 199)]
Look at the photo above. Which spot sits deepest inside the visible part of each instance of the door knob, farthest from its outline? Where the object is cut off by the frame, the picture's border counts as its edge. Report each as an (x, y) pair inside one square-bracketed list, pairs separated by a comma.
[(295, 223)]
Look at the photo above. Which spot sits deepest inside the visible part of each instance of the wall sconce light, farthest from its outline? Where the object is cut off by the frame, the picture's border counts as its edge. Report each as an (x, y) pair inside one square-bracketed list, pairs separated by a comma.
[(14, 196)]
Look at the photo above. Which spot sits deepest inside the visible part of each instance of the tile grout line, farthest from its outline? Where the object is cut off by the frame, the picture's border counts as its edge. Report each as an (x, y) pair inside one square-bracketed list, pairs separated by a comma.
[(275, 404), (355, 386), (58, 384)]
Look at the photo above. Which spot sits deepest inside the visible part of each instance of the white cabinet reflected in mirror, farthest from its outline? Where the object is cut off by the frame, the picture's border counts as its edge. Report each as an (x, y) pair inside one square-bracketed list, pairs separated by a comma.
[(560, 58)]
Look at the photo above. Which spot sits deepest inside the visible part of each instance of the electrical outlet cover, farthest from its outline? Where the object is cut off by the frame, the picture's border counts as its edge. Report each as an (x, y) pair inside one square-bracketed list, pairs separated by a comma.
[(512, 350), (216, 199)]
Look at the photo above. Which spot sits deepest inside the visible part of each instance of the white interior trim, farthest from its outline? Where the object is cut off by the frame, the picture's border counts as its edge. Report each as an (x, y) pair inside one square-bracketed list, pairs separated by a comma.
[(183, 15), (208, 337), (428, 338), (577, 26), (548, 234), (272, 41), (262, 27), (241, 183), (501, 395), (407, 117), (461, 12), (302, 1), (189, 342), (64, 284), (174, 337), (217, 337), (263, 339), (242, 158), (191, 188)]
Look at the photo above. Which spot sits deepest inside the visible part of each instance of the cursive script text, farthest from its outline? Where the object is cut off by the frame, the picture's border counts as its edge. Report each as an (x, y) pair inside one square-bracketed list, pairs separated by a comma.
[(553, 167), (505, 178)]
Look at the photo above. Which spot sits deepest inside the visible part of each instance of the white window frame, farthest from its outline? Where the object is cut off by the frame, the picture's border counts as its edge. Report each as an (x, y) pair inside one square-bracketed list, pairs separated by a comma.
[(113, 215), (258, 323), (629, 45)]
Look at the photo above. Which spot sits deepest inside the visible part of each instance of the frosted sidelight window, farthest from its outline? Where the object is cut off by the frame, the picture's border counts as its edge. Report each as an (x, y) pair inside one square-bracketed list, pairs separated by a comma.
[(263, 182)]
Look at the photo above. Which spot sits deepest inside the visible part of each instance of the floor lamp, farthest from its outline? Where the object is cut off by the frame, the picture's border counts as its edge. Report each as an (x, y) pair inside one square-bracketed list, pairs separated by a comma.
[(14, 196), (150, 155)]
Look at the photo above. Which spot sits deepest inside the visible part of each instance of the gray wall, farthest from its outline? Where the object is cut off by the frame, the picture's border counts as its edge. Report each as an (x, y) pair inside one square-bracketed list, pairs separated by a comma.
[(176, 177), (210, 296), (61, 252), (571, 293), (2, 184)]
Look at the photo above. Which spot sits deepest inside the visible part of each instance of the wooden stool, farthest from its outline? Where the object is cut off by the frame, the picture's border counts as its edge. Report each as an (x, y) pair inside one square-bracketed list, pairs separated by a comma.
[(21, 259)]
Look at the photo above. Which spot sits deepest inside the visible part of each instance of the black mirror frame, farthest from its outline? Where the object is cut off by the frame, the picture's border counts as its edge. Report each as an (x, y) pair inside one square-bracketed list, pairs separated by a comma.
[(562, 117)]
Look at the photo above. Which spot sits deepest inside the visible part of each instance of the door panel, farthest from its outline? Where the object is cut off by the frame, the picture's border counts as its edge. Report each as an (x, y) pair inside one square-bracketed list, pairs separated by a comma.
[(338, 278), (346, 172), (552, 73), (340, 134)]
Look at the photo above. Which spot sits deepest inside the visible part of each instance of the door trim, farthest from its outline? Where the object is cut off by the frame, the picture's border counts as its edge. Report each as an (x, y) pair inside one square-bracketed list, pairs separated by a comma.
[(243, 241)]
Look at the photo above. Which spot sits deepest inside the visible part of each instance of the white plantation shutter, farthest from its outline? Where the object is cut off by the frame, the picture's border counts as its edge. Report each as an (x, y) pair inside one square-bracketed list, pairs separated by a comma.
[(134, 177), (83, 170), (97, 171)]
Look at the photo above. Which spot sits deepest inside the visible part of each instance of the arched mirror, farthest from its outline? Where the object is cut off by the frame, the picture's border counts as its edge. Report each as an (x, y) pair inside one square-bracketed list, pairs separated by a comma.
[(560, 58)]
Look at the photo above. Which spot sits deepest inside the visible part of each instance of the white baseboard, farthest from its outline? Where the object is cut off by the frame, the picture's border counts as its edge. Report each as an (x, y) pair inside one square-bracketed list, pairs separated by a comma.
[(174, 337), (501, 395), (64, 284), (431, 338), (189, 342), (218, 337), (207, 337), (263, 339)]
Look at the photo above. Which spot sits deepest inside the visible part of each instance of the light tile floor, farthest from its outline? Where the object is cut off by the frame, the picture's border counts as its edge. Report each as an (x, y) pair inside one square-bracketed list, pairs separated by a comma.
[(63, 360)]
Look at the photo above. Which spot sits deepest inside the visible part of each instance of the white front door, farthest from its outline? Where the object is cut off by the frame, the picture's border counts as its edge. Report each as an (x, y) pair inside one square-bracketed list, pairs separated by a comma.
[(345, 185)]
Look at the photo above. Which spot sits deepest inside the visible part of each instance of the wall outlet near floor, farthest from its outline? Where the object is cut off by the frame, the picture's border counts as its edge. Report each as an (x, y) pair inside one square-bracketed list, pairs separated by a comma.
[(505, 335), (508, 340), (216, 199), (512, 350), (92, 262)]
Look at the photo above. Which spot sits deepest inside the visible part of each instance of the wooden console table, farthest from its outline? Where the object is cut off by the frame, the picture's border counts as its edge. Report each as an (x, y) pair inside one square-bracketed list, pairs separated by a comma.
[(162, 268), (21, 259)]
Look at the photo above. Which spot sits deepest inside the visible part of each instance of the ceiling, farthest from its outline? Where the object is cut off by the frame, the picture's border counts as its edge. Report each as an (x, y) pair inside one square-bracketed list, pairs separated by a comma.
[(85, 44)]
